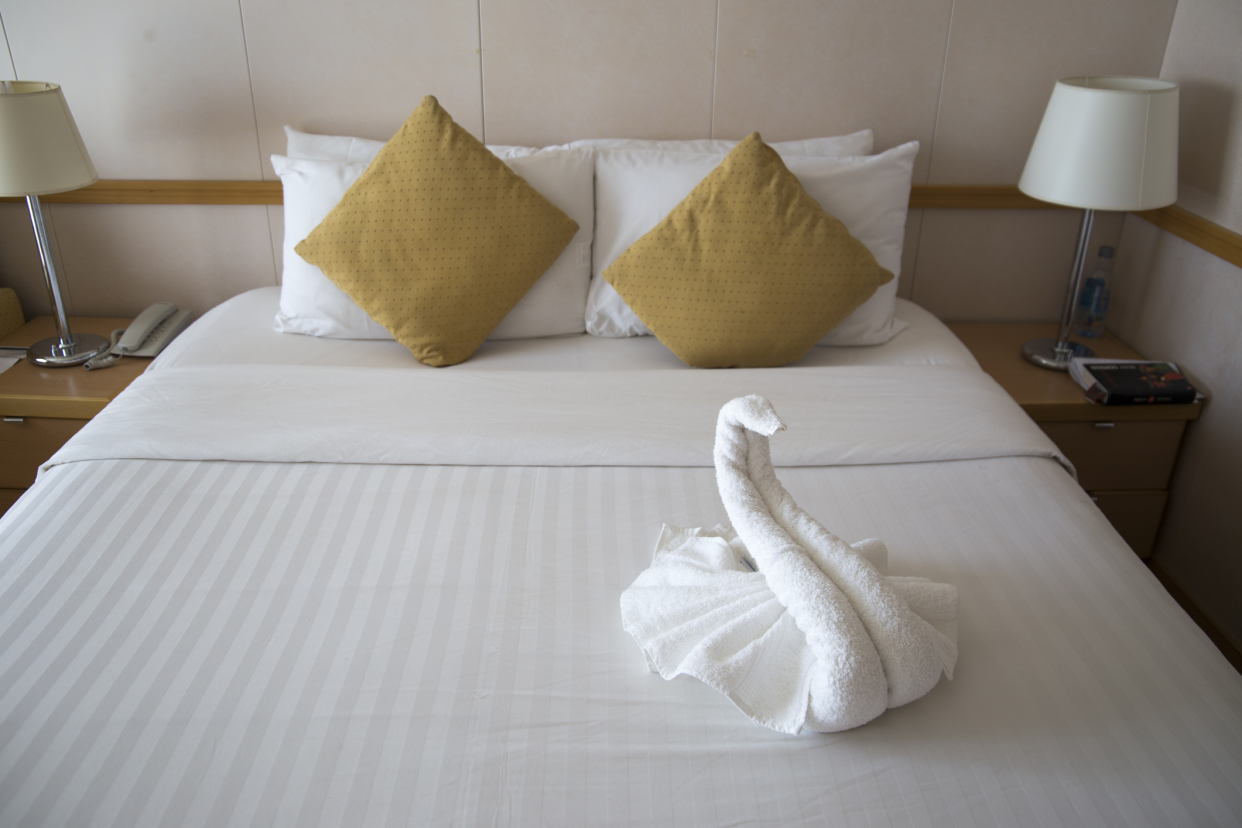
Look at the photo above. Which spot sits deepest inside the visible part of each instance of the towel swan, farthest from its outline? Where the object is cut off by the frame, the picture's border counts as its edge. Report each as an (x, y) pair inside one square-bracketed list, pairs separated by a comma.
[(818, 636)]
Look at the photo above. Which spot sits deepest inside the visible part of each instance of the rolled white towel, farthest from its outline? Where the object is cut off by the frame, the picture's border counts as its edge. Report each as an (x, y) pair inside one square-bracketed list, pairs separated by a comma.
[(818, 637)]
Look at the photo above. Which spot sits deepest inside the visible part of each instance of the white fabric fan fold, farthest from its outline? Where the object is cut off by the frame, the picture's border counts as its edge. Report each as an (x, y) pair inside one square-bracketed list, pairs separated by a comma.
[(794, 625)]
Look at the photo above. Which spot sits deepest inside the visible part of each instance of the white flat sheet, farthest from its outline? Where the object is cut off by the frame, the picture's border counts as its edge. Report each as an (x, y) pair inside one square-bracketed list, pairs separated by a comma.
[(278, 413), (227, 642), (216, 643), (239, 332)]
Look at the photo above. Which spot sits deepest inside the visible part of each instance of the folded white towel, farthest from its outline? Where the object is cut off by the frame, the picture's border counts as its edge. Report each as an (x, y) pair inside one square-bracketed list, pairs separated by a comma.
[(818, 637)]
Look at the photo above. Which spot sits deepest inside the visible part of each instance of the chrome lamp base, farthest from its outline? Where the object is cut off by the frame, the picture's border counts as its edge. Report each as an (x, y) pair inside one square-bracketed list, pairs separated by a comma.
[(1053, 353), (53, 353)]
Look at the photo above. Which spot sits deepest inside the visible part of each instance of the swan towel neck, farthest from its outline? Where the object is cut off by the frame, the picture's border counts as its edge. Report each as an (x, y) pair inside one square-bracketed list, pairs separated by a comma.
[(818, 636)]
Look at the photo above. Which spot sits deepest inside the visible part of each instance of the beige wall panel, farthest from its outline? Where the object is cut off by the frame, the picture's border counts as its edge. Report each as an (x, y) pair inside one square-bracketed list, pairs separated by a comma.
[(1172, 298), (1003, 61), (1001, 265), (1198, 543), (339, 68), (1175, 301), (158, 89), (803, 68), (560, 70), (1205, 58), (119, 259), (20, 267)]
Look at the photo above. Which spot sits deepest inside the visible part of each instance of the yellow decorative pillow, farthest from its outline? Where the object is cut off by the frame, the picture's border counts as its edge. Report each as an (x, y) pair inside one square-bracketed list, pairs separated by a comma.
[(748, 271), (438, 239)]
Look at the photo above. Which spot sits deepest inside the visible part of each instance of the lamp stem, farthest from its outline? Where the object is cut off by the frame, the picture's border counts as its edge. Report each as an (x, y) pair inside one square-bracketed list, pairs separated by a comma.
[(64, 349), (1075, 287), (1056, 354), (67, 341)]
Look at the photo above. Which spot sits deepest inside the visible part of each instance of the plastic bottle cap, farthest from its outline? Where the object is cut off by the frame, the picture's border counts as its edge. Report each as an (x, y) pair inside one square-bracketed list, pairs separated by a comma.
[(1106, 252)]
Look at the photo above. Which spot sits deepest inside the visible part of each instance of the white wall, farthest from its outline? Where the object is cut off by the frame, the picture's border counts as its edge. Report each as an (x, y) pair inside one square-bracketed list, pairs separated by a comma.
[(1175, 301), (201, 89)]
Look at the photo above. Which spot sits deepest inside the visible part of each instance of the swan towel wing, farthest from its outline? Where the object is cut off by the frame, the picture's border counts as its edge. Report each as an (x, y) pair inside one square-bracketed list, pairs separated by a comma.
[(794, 625)]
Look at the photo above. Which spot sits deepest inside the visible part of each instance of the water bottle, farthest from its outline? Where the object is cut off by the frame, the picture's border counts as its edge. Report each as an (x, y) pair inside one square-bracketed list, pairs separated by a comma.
[(1093, 301)]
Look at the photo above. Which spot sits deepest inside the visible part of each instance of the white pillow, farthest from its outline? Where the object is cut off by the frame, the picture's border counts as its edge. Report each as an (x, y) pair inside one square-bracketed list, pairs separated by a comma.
[(856, 143), (311, 304), (635, 190), (311, 147), (556, 304)]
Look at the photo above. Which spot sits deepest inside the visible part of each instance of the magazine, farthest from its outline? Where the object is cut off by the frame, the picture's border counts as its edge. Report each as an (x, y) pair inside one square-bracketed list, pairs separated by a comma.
[(1132, 381)]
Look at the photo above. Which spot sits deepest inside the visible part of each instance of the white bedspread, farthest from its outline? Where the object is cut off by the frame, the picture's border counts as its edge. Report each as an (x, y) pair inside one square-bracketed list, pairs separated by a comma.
[(361, 641), (837, 416), (246, 644)]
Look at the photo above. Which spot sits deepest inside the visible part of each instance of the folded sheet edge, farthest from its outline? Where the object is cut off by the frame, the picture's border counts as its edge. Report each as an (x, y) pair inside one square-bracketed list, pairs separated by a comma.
[(845, 415)]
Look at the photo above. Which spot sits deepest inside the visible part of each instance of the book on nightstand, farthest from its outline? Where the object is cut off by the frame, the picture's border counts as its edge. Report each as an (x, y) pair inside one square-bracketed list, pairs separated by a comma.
[(1132, 382)]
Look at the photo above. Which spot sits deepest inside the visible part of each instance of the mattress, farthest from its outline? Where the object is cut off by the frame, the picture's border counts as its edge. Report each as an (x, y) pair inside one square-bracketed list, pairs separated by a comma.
[(337, 633)]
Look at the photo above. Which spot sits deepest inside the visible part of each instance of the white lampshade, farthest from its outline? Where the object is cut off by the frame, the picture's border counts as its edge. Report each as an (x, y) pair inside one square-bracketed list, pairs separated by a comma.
[(1106, 143), (41, 151)]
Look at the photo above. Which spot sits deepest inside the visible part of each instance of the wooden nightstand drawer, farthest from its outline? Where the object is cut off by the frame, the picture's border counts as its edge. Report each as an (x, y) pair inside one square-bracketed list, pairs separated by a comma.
[(1120, 455), (26, 444), (1135, 516), (53, 403), (1124, 454), (8, 497)]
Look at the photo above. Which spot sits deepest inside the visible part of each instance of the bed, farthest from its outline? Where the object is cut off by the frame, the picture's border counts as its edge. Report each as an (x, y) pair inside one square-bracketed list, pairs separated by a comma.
[(233, 642), (296, 580)]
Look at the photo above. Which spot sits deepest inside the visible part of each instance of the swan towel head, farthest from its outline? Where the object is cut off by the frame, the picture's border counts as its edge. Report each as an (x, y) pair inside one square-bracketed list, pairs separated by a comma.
[(752, 412)]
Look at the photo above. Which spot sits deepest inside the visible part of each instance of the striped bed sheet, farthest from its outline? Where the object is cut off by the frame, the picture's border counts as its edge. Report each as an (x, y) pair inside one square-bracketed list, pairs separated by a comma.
[(192, 637), (236, 643)]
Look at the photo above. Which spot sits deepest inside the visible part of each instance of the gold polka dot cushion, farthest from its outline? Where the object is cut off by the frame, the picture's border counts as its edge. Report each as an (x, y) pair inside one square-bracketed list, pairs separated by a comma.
[(748, 271), (438, 239)]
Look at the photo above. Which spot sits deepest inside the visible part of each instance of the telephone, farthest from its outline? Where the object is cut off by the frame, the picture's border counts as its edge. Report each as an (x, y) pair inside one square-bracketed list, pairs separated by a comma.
[(146, 336)]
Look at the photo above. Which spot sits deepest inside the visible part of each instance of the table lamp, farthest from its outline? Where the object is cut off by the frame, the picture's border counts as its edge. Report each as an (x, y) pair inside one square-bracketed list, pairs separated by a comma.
[(1105, 143), (41, 152)]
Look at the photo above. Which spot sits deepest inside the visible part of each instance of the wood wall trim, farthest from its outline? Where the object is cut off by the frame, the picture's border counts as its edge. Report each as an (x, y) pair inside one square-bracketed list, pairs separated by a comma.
[(171, 192), (974, 197), (922, 197), (1213, 238)]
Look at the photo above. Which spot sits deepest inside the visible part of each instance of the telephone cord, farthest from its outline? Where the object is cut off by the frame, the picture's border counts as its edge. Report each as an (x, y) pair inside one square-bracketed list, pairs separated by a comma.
[(108, 358)]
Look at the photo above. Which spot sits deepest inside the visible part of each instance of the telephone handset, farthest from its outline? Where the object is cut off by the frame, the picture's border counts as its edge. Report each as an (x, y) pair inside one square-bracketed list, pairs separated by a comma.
[(146, 336), (154, 328)]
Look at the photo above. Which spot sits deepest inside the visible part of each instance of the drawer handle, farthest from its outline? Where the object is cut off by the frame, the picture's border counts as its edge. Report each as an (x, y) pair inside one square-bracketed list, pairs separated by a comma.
[(15, 419), (1105, 425)]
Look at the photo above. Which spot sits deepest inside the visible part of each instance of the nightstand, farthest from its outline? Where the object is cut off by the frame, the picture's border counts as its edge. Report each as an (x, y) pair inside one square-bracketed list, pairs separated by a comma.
[(1124, 454), (44, 407)]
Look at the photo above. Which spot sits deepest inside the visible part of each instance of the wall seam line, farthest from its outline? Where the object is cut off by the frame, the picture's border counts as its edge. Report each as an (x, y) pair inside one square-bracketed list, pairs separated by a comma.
[(482, 83), (258, 143), (7, 48), (944, 70), (254, 108), (715, 66)]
